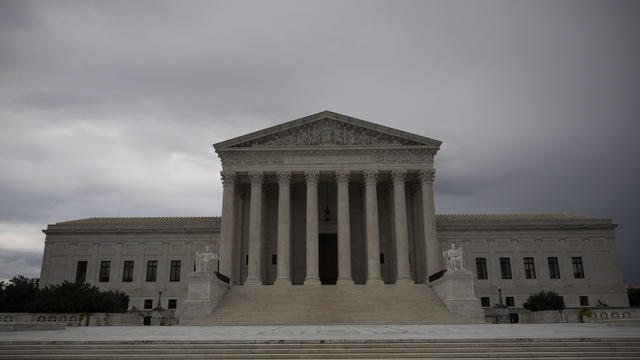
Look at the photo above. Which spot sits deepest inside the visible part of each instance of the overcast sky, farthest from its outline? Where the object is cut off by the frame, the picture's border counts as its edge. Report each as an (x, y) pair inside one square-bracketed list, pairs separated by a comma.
[(110, 108)]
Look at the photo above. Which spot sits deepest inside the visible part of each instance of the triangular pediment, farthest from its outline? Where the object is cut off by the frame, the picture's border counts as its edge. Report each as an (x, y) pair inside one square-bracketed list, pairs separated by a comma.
[(327, 129)]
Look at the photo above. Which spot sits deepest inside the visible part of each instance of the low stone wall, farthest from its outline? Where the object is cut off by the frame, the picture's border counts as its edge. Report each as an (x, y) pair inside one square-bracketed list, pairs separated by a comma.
[(30, 326), (566, 316), (95, 319), (615, 314)]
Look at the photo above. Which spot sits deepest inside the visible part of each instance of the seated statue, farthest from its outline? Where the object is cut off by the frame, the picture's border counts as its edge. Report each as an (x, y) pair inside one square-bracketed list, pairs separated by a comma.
[(204, 260), (453, 258)]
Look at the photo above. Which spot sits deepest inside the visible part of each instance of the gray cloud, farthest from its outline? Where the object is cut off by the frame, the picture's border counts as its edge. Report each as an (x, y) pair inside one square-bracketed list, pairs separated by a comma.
[(110, 108), (19, 262)]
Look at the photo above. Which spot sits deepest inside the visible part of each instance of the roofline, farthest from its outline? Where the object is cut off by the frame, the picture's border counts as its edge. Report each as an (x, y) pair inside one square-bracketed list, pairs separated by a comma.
[(79, 227), (221, 146)]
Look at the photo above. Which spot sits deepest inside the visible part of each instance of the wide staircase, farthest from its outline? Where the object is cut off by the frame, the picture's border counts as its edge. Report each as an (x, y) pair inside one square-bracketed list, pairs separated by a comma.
[(328, 349), (331, 304)]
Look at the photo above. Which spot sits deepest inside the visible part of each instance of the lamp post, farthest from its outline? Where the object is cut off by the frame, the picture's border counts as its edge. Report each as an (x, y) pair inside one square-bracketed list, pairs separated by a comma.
[(500, 297), (156, 317)]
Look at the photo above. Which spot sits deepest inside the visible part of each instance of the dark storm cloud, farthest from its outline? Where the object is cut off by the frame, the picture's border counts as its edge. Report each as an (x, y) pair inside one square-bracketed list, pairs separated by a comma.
[(110, 108), (19, 262)]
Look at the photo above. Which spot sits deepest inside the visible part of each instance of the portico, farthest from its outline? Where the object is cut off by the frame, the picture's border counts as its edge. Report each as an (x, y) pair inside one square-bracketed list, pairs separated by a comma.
[(328, 199)]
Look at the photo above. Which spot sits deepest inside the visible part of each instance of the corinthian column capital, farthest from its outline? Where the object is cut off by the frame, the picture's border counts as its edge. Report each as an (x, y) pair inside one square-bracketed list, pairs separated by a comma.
[(312, 176), (343, 176), (228, 178), (398, 175), (427, 176), (370, 176), (284, 177), (256, 177)]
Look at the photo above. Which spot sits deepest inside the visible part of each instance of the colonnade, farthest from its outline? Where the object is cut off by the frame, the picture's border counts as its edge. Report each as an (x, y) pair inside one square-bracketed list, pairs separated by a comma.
[(342, 178)]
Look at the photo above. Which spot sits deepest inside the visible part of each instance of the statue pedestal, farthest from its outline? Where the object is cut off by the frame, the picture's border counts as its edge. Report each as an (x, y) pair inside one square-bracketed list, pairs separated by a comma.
[(456, 291), (203, 295)]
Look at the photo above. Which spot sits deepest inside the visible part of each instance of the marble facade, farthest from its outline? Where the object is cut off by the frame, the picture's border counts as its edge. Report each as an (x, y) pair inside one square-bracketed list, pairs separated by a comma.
[(330, 199)]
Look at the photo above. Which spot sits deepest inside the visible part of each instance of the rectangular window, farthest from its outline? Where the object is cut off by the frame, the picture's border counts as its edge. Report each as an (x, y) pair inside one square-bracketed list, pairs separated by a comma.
[(578, 272), (484, 301), (127, 272), (510, 301), (81, 271), (105, 269), (505, 268), (554, 268), (481, 268), (173, 303), (584, 301), (152, 270), (174, 275), (529, 268), (148, 304)]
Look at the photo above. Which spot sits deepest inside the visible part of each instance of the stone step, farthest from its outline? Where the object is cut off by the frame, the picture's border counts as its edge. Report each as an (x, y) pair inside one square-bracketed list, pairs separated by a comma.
[(333, 349), (331, 304), (308, 348), (183, 351), (530, 355)]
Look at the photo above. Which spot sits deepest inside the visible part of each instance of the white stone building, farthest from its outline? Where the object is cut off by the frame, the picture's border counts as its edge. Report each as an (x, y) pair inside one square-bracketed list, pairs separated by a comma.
[(329, 199)]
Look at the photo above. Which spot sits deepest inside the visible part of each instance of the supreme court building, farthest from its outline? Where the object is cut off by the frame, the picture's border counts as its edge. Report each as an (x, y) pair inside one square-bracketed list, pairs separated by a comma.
[(333, 200)]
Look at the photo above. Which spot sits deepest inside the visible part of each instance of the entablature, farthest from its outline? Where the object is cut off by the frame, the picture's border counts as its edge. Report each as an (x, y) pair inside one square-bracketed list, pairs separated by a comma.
[(328, 159)]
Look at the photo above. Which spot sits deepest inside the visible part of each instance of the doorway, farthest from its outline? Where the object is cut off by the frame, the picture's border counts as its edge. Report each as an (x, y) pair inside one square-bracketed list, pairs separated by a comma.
[(328, 258)]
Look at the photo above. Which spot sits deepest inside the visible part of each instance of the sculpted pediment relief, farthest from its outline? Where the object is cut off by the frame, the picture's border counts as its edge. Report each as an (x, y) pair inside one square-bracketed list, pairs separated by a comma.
[(326, 129), (327, 132)]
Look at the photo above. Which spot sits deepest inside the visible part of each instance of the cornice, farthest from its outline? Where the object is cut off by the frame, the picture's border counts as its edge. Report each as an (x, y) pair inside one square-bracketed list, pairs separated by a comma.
[(501, 227)]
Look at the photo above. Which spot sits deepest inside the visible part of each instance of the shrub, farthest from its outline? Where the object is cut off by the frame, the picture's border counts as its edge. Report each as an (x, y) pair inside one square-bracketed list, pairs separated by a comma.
[(585, 312), (71, 297), (16, 293), (544, 300)]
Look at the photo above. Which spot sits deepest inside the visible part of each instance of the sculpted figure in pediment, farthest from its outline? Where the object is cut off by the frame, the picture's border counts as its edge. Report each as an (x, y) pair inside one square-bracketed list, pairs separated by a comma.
[(327, 132), (314, 137)]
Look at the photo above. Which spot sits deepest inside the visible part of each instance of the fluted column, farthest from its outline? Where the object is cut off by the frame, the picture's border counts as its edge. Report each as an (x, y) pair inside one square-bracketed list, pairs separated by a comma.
[(228, 224), (373, 229), (431, 247), (344, 228), (311, 177), (402, 236), (284, 228), (255, 230)]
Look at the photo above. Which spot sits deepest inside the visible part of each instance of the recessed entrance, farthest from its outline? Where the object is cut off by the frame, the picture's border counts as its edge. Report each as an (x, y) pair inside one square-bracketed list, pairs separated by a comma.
[(328, 258)]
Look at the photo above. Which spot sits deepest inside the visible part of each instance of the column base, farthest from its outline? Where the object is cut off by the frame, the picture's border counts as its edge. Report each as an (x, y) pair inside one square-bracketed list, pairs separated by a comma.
[(345, 282), (375, 282), (405, 281), (252, 282), (282, 282), (312, 282)]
